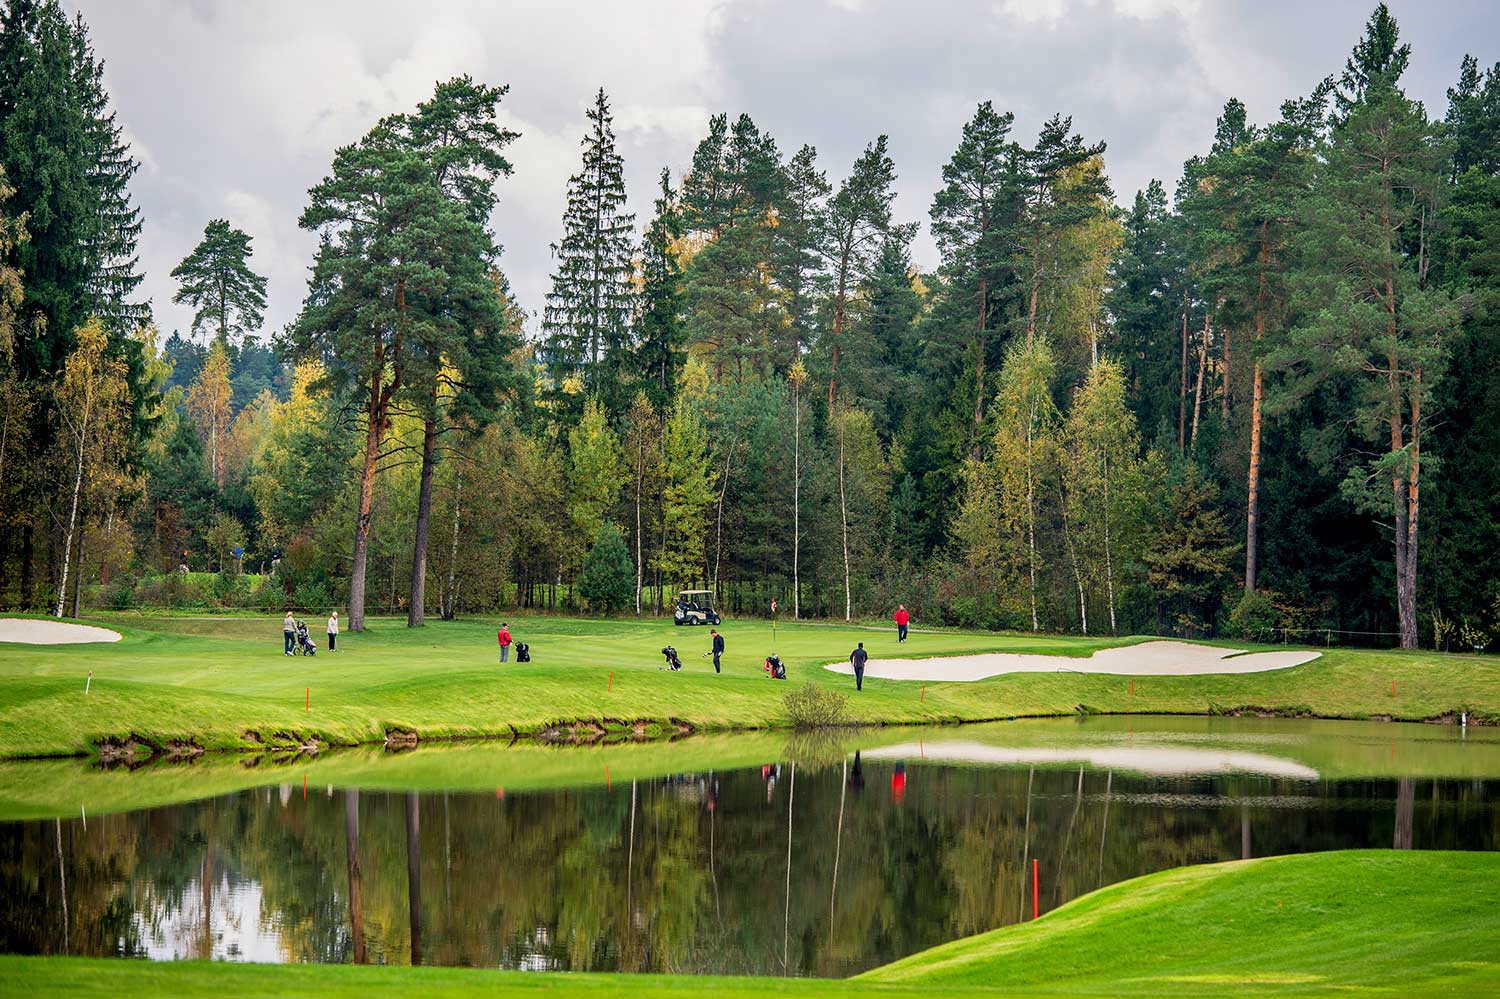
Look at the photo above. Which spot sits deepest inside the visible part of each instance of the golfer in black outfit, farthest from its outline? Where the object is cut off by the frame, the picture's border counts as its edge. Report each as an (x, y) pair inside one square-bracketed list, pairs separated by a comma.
[(858, 657), (718, 648)]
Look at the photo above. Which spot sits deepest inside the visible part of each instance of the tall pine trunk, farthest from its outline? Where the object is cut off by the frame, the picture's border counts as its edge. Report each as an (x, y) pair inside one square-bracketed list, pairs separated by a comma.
[(844, 522), (450, 595), (1182, 386), (796, 502), (640, 481), (980, 348), (366, 503), (416, 610)]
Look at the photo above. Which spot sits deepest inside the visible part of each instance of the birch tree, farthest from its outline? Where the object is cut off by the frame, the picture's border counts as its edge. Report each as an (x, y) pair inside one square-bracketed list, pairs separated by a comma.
[(93, 407)]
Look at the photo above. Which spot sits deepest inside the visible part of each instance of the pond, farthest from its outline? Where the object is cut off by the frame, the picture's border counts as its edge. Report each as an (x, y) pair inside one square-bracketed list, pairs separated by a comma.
[(828, 858)]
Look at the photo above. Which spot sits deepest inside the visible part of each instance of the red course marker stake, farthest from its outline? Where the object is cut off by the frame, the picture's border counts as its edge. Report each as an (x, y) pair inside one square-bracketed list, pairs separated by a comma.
[(1036, 894), (606, 777), (611, 681), (1132, 686), (1393, 688), (308, 705), (924, 693), (304, 787)]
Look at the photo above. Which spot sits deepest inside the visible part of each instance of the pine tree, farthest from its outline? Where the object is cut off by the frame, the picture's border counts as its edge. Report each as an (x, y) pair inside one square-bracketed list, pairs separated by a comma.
[(463, 350), (1379, 327), (858, 223), (401, 270), (969, 219), (797, 245), (1055, 197), (1473, 119), (216, 280), (729, 199), (587, 319)]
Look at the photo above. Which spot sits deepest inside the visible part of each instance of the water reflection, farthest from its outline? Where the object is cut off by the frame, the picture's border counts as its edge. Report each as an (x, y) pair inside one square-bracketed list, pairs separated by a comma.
[(824, 867)]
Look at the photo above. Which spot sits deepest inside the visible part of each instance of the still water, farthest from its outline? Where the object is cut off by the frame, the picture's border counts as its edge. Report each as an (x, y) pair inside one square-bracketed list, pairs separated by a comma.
[(823, 860)]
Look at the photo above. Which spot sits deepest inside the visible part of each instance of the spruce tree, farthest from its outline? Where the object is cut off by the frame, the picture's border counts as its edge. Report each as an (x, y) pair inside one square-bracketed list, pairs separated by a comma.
[(114, 265), (587, 318), (216, 279), (658, 324)]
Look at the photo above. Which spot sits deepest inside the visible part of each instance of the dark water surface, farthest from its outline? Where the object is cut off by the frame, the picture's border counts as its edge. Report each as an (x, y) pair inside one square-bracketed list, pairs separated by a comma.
[(828, 866)]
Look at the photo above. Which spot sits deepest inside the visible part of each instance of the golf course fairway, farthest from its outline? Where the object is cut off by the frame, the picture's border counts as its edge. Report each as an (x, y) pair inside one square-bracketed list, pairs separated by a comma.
[(1326, 924), (184, 684)]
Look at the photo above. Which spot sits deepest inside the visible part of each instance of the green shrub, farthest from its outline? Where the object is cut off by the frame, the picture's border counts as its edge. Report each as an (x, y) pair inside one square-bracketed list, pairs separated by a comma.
[(1256, 617), (812, 706)]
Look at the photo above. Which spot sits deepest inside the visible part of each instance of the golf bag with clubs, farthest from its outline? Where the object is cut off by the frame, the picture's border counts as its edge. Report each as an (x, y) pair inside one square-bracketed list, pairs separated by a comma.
[(674, 663), (775, 668), (523, 652)]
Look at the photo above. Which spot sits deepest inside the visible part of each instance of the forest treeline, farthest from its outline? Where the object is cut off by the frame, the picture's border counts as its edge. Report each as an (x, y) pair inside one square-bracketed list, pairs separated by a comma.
[(1263, 402)]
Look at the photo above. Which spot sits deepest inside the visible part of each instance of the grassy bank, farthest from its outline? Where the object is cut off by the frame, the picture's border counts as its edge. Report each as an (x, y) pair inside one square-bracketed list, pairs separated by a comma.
[(1333, 750), (223, 683), (1380, 923)]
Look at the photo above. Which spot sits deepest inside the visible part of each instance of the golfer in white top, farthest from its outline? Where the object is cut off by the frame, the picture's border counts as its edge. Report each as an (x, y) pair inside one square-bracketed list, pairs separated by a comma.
[(333, 630)]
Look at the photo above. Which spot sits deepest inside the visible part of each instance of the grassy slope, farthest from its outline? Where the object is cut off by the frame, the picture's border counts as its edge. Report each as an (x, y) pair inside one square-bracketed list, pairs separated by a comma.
[(1337, 750), (1378, 922), (215, 679)]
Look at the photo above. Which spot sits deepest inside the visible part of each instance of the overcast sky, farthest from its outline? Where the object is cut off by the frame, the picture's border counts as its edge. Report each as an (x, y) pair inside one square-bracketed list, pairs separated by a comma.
[(235, 108)]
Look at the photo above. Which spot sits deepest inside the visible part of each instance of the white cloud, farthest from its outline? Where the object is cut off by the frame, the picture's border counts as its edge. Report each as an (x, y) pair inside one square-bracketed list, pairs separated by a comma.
[(235, 109)]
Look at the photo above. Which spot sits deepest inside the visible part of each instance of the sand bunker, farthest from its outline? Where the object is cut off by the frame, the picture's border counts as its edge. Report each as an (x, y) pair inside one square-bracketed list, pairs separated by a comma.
[(1146, 659), (27, 631), (1154, 760)]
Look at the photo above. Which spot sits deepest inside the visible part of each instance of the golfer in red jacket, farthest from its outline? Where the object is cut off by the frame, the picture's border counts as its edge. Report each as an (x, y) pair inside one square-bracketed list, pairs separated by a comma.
[(901, 617), (504, 642)]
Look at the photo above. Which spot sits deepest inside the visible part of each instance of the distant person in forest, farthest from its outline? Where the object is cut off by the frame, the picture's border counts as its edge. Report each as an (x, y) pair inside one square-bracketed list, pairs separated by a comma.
[(505, 641), (333, 630), (901, 618), (288, 631), (858, 658), (718, 649)]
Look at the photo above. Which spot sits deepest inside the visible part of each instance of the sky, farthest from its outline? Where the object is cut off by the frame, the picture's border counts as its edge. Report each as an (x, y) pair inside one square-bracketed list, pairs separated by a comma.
[(234, 109)]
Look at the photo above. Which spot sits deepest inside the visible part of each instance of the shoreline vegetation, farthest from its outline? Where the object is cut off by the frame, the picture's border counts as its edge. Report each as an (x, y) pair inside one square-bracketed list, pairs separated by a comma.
[(1305, 925), (178, 687)]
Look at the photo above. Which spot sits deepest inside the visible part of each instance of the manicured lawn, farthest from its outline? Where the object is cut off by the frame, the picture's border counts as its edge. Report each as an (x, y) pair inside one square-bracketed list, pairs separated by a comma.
[(1377, 923), (223, 682)]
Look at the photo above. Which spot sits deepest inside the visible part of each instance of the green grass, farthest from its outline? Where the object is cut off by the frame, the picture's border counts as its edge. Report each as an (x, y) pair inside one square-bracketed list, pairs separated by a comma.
[(1377, 923), (223, 683), (1336, 750)]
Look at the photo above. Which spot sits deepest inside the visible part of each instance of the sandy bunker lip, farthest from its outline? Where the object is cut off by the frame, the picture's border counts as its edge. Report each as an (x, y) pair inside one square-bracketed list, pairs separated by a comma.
[(1145, 659), (29, 631)]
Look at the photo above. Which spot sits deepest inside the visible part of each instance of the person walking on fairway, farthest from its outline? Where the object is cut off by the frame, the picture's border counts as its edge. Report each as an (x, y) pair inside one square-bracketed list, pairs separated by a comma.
[(505, 640), (858, 658), (901, 617), (718, 648), (333, 631), (288, 631)]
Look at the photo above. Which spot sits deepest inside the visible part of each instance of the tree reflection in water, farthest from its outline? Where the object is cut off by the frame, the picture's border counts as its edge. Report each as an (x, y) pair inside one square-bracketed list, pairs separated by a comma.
[(682, 874)]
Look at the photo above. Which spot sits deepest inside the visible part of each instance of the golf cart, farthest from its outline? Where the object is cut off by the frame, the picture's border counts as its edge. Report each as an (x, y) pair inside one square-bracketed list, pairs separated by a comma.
[(695, 607)]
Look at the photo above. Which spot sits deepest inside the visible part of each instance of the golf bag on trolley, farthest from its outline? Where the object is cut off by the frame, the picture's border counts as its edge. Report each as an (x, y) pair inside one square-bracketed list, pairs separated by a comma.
[(523, 652), (775, 668), (674, 663), (304, 645)]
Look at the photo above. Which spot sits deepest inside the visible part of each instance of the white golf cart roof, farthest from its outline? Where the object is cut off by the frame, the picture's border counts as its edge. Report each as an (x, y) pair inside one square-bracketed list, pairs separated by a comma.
[(691, 593)]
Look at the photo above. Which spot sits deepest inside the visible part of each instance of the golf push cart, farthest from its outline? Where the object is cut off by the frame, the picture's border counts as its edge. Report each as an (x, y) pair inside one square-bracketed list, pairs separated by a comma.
[(695, 607)]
